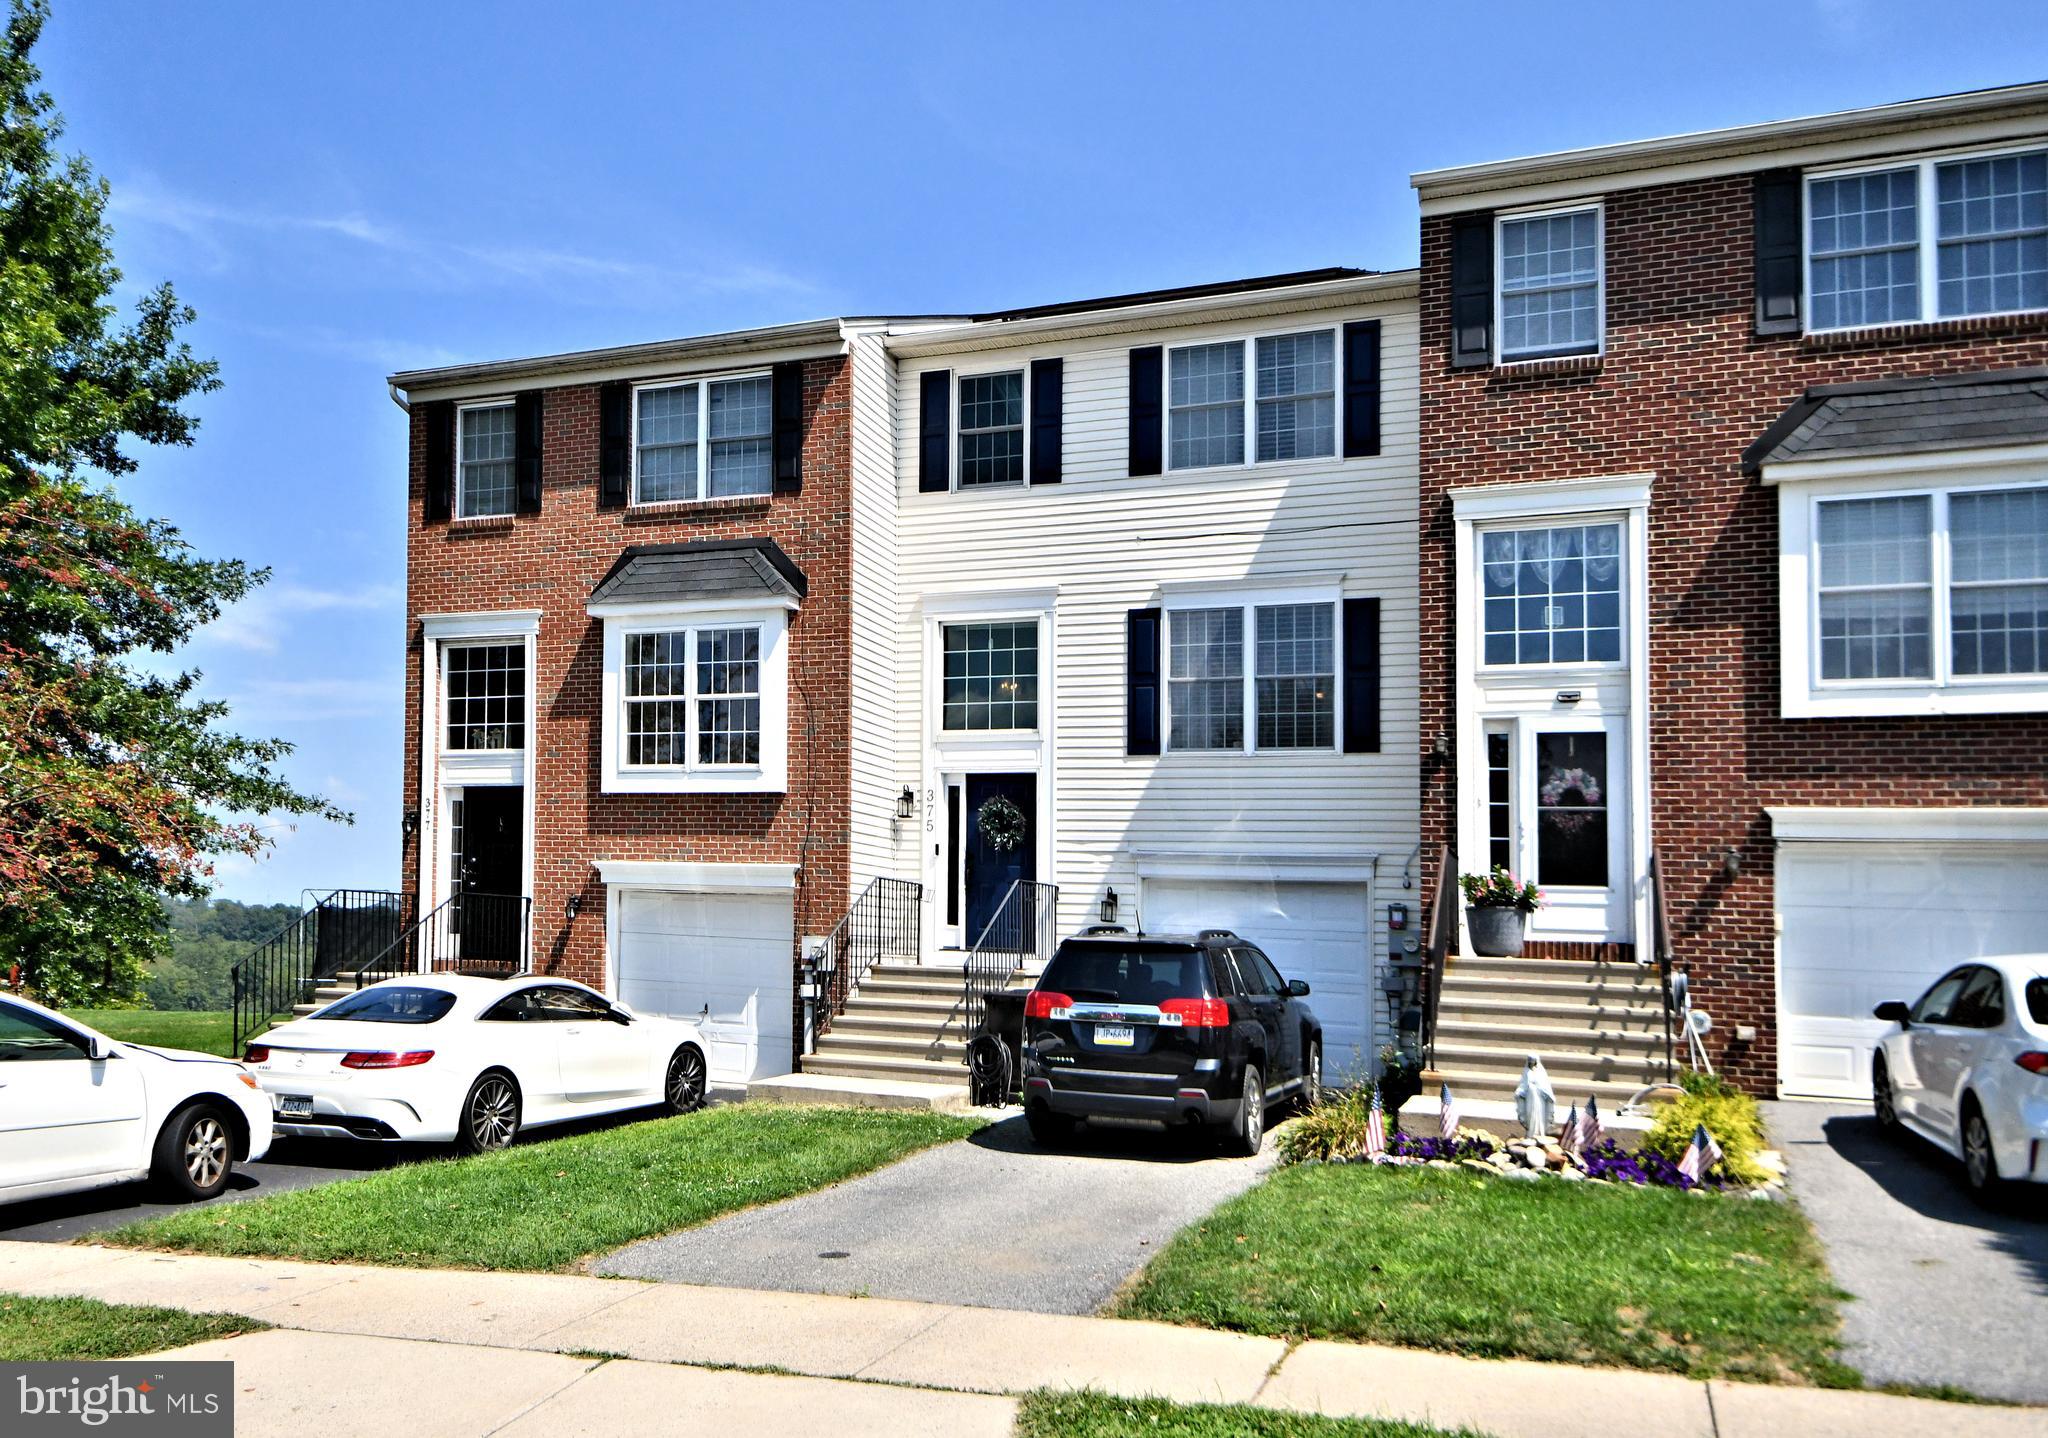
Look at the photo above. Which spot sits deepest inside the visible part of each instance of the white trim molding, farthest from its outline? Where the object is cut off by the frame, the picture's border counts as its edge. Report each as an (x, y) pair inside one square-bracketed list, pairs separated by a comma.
[(482, 624), (1981, 823), (699, 878), (1324, 867), (1526, 499)]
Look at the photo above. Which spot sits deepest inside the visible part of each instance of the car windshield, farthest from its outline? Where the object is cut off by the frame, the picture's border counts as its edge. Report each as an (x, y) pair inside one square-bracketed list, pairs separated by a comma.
[(404, 1004), (1135, 974), (2037, 1000)]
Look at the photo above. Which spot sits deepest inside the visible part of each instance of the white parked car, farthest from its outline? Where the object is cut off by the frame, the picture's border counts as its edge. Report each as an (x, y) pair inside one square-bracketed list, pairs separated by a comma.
[(79, 1110), (1966, 1068), (440, 1058)]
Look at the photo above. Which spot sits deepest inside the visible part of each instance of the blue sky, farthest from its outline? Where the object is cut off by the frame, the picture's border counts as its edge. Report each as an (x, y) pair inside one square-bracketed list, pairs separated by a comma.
[(345, 190)]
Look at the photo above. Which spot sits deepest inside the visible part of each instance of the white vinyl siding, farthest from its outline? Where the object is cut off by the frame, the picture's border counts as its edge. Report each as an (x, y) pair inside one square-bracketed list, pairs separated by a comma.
[(875, 739)]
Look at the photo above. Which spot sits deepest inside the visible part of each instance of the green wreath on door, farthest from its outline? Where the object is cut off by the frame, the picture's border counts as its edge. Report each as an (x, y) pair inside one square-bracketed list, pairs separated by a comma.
[(1001, 822)]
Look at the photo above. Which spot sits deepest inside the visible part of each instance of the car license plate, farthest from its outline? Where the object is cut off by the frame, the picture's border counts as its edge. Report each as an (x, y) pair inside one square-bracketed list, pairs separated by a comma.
[(1114, 1035), (294, 1105)]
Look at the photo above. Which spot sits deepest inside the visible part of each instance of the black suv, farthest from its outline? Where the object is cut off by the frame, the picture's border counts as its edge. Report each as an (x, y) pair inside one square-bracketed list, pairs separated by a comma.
[(1175, 1028)]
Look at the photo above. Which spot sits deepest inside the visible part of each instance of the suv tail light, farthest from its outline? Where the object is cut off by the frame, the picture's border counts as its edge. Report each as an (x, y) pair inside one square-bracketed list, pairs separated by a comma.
[(256, 1054), (386, 1061), (1199, 1013), (1040, 1003), (2033, 1061)]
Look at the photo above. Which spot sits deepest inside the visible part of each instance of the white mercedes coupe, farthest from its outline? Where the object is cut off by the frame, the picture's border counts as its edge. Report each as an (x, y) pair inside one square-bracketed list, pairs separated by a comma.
[(79, 1110), (452, 1058)]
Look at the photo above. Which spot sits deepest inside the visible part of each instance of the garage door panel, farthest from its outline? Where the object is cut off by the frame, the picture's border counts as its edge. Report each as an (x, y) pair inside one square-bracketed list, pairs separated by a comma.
[(722, 959)]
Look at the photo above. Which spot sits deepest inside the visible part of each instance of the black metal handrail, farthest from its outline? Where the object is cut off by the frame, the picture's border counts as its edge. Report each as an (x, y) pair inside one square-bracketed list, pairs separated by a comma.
[(1024, 928), (886, 921), (486, 934), (1443, 934), (332, 934), (1660, 939)]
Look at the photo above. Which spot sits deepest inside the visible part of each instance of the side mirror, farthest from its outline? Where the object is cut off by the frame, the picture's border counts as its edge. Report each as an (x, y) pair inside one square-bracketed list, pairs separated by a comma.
[(619, 1015), (1297, 988), (1893, 1012), (98, 1049)]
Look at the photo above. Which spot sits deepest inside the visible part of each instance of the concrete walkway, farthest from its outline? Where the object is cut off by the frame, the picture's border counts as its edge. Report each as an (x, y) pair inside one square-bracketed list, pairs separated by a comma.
[(994, 1221), (1946, 1291), (454, 1332)]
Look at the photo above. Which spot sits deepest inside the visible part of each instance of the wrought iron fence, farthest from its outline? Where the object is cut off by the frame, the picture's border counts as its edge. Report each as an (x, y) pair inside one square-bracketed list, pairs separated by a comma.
[(484, 934), (1025, 929), (332, 935), (885, 922)]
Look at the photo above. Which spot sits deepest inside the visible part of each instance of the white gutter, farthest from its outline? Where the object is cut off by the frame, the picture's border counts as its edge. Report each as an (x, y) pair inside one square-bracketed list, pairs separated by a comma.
[(806, 335)]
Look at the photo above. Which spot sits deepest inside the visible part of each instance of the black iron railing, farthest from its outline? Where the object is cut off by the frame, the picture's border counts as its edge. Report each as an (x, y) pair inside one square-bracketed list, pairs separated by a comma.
[(1443, 935), (484, 934), (1660, 938), (1025, 929), (332, 935), (885, 922)]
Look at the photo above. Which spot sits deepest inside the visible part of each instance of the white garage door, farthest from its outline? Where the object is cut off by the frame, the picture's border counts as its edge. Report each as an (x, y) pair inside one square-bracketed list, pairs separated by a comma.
[(1862, 923), (1317, 932), (720, 958)]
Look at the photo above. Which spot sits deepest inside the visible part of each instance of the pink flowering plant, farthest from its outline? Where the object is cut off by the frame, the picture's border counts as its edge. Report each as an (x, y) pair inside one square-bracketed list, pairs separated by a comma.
[(1499, 889)]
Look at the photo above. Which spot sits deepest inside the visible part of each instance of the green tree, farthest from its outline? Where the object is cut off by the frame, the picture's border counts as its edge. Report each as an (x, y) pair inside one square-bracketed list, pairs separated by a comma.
[(207, 937), (118, 785)]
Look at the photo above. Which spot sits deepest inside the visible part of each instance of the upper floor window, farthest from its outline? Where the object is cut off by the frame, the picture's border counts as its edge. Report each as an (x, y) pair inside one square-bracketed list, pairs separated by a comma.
[(485, 685), (1286, 694), (991, 429), (1205, 405), (1936, 239), (1551, 594), (991, 676), (703, 439), (486, 448), (692, 698), (1550, 277), (1291, 407)]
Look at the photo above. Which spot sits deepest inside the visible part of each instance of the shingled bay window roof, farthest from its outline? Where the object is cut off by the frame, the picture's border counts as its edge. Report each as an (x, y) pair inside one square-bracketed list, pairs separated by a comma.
[(1908, 416), (740, 570)]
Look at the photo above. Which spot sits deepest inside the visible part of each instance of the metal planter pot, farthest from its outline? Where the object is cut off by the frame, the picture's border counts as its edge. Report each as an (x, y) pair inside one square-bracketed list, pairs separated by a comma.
[(1496, 932)]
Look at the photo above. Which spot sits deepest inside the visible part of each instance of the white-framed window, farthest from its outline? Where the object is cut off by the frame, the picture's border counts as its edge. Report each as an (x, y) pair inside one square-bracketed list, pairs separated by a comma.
[(486, 448), (1549, 284), (1944, 237), (703, 439), (484, 689), (1290, 408), (991, 429), (1551, 594), (695, 699), (989, 676), (1280, 695)]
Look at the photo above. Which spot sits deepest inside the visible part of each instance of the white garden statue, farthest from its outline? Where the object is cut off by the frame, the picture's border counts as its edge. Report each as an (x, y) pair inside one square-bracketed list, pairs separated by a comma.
[(1536, 1100)]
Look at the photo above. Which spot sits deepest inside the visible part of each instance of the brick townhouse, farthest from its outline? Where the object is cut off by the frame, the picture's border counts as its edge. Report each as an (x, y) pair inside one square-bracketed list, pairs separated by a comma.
[(1734, 512)]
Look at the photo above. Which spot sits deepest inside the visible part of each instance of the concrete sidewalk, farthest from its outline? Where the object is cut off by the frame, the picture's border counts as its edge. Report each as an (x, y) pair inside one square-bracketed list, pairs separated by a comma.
[(476, 1320)]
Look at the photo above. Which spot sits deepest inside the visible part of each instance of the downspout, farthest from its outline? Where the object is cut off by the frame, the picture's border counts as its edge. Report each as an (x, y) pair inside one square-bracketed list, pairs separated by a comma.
[(403, 404)]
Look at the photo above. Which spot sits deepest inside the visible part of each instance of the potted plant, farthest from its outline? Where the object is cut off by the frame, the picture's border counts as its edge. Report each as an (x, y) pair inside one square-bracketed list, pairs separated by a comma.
[(1497, 909)]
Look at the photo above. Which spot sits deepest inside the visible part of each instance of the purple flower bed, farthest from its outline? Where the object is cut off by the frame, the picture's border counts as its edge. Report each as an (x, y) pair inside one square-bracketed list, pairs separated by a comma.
[(1607, 1160), (1407, 1145)]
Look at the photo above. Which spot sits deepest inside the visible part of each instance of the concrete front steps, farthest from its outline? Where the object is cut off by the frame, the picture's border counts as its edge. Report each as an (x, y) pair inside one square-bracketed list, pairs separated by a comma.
[(902, 1024), (323, 995), (1598, 1027)]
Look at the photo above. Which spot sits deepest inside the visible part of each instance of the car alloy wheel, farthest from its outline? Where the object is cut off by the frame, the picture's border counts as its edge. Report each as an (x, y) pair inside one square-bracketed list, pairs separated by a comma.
[(1881, 1097), (1977, 1161), (1312, 1077), (1252, 1122), (493, 1113), (685, 1087), (206, 1152)]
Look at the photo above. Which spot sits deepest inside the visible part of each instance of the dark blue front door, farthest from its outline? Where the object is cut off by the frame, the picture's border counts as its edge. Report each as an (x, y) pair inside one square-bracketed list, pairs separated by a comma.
[(991, 871)]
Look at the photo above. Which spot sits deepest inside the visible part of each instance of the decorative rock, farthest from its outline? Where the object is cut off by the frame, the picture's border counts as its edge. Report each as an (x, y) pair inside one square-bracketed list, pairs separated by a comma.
[(1482, 1165), (1523, 1175), (1534, 1158), (1571, 1175), (1500, 1158)]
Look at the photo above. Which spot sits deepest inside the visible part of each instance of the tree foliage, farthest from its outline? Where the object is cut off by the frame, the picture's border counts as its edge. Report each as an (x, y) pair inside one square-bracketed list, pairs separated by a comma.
[(118, 783)]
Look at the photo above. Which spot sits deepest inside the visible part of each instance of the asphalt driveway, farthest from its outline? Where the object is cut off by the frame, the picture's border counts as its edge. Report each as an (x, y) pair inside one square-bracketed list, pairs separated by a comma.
[(991, 1221), (1945, 1291)]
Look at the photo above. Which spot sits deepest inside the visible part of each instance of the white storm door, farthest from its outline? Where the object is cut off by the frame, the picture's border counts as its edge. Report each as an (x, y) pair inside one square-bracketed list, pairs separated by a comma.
[(1572, 825)]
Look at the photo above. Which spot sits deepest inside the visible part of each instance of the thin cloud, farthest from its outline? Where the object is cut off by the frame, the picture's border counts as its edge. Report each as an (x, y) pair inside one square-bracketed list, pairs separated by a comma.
[(313, 701), (258, 624)]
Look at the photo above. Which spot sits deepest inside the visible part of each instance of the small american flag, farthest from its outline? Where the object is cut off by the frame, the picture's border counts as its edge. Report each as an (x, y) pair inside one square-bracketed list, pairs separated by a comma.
[(1568, 1136), (1376, 1129), (1700, 1155), (1447, 1114), (1589, 1126)]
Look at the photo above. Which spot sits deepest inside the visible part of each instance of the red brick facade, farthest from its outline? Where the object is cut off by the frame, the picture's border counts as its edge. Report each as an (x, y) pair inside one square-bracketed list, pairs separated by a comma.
[(1683, 387), (550, 561)]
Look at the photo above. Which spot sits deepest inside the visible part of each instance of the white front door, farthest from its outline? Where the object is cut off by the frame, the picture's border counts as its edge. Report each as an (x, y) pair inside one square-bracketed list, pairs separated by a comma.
[(722, 959)]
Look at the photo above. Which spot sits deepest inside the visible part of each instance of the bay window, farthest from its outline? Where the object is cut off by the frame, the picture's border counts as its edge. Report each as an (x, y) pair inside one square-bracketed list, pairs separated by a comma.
[(695, 700)]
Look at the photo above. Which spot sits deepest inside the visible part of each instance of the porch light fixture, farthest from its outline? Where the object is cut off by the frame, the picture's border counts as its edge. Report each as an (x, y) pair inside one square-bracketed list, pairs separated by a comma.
[(409, 822), (1109, 907), (574, 906), (906, 803), (1731, 862)]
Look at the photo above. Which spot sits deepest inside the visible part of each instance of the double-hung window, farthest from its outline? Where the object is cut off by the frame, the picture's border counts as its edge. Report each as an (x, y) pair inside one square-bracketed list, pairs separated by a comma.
[(703, 439), (1550, 285), (1933, 239), (991, 429), (1551, 594), (1290, 408), (486, 448), (991, 676), (485, 691), (692, 698), (1278, 692)]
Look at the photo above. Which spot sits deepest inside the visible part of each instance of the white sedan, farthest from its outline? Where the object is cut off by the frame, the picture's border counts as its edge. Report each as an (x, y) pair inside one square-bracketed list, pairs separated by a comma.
[(1966, 1067), (79, 1110), (472, 1060)]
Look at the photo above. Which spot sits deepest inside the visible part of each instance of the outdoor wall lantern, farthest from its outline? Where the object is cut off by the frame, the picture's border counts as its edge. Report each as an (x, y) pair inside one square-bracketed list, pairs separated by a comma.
[(574, 906), (906, 803), (1109, 907), (1731, 862), (409, 822)]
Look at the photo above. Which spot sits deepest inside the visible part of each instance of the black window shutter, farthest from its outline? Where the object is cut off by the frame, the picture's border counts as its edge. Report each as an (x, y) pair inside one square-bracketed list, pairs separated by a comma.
[(1780, 217), (615, 444), (1472, 291), (789, 427), (1141, 681), (1361, 388), (439, 417), (1048, 379), (526, 432), (1147, 386), (1361, 676), (934, 431)]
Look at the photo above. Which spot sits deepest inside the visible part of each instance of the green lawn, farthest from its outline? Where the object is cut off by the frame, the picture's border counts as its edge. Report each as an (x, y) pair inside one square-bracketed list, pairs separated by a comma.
[(1094, 1415), (205, 1033), (544, 1205), (1642, 1278), (39, 1330)]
